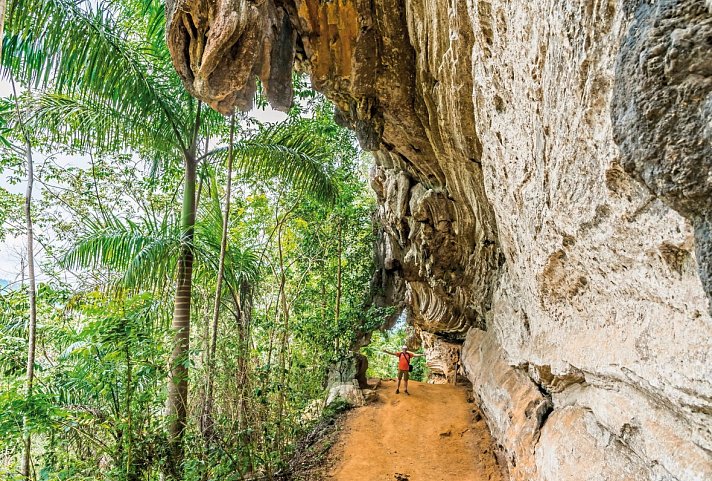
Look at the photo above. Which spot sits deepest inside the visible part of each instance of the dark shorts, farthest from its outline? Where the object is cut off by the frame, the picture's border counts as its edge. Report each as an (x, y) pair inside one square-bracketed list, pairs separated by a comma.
[(405, 374)]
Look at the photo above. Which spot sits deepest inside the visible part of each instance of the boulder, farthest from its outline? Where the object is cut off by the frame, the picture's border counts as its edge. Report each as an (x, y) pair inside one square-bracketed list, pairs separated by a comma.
[(348, 392)]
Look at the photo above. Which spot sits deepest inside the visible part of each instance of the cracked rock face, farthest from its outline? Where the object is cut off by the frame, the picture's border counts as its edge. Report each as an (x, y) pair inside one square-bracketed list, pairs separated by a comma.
[(443, 358), (662, 111), (543, 176)]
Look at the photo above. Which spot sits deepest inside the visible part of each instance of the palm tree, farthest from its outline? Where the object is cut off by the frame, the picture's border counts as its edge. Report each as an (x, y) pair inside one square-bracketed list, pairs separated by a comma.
[(126, 91), (146, 254), (111, 88)]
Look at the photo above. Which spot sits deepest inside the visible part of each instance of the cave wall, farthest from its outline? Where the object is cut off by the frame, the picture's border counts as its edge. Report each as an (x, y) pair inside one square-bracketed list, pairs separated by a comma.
[(601, 287), (544, 179)]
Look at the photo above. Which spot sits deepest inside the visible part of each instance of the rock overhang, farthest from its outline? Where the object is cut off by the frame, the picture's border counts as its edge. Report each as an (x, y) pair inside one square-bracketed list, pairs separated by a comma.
[(359, 54), (524, 204)]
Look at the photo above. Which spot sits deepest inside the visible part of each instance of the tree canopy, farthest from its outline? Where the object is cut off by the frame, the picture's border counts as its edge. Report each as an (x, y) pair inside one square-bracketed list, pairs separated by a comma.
[(131, 234)]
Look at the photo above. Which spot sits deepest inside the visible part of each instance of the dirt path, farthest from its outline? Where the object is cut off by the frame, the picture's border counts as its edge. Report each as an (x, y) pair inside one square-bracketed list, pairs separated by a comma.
[(430, 435)]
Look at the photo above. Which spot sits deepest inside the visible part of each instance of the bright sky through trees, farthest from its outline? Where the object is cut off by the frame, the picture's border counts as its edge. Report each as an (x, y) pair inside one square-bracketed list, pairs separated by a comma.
[(12, 247)]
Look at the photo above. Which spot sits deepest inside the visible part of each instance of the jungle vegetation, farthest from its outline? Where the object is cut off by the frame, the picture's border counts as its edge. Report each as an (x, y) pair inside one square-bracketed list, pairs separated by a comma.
[(187, 279)]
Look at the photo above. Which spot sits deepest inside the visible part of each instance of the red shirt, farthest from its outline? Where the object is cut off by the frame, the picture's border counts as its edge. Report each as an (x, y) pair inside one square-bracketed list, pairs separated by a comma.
[(404, 361)]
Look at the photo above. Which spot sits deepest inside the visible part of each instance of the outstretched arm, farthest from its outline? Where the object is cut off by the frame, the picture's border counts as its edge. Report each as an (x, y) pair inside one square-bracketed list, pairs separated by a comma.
[(389, 352), (415, 355)]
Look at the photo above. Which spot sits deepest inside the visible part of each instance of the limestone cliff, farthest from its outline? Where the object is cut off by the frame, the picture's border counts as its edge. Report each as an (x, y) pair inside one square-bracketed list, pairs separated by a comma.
[(544, 176)]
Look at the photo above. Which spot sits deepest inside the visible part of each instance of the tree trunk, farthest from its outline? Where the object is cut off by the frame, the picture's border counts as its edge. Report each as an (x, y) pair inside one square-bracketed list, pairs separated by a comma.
[(131, 474), (178, 371), (3, 3), (243, 301), (25, 466), (207, 423), (282, 388), (337, 310), (177, 402), (32, 295)]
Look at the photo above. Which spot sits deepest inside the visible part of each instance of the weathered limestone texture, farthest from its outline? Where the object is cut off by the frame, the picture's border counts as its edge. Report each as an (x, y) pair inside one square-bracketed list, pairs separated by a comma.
[(348, 392), (601, 280), (544, 178), (662, 107), (443, 358), (514, 407)]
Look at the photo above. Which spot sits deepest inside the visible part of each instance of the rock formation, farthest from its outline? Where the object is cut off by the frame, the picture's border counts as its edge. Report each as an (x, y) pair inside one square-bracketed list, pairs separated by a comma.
[(544, 178)]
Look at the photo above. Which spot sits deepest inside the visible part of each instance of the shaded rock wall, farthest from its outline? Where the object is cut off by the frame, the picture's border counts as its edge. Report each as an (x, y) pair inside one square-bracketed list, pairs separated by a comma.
[(543, 176), (662, 107), (442, 358)]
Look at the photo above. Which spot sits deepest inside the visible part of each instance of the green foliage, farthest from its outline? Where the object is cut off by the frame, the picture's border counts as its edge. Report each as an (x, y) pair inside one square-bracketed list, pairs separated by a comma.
[(291, 151), (95, 60), (85, 124), (94, 340), (10, 209), (143, 254), (98, 383), (382, 365), (298, 266)]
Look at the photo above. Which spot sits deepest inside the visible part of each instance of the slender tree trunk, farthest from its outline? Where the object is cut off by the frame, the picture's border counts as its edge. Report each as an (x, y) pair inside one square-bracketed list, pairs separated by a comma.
[(265, 409), (177, 402), (130, 473), (32, 295), (205, 347), (205, 337), (337, 310), (178, 372), (96, 188), (25, 465), (207, 424), (243, 301), (3, 3), (323, 300), (283, 346)]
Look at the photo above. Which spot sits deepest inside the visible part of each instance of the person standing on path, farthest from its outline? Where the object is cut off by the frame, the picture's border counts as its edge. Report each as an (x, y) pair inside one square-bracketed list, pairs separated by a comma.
[(404, 357)]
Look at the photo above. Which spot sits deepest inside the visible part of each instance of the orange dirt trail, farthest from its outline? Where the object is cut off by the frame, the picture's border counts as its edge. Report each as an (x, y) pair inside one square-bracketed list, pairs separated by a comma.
[(430, 435)]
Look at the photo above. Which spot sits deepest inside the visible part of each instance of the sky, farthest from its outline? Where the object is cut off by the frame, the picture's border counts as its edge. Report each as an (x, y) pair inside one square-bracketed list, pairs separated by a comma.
[(12, 246)]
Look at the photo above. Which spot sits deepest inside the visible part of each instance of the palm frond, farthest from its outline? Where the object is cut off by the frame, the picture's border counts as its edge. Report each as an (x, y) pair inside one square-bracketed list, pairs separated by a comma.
[(290, 151), (84, 124), (154, 13), (242, 263), (144, 254), (6, 113), (78, 50)]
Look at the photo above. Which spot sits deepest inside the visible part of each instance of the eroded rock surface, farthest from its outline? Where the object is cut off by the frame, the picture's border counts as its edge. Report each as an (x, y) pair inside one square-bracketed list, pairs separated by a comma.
[(543, 172), (443, 358), (662, 111)]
